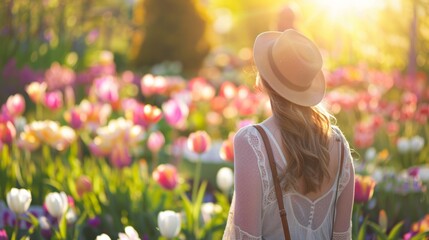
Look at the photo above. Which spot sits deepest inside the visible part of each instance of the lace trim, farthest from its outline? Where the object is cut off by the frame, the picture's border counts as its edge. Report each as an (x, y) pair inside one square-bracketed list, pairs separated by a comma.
[(256, 143), (234, 232), (343, 235), (345, 175)]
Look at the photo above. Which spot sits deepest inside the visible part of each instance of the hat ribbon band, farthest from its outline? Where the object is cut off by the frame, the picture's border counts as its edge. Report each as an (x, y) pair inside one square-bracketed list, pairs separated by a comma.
[(280, 76)]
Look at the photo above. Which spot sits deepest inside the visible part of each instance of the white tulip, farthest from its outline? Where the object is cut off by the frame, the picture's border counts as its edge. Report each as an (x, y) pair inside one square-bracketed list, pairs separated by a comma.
[(169, 223), (103, 237), (403, 145), (44, 223), (370, 154), (209, 209), (424, 174), (18, 200), (130, 234), (56, 203), (417, 143), (225, 179), (71, 216)]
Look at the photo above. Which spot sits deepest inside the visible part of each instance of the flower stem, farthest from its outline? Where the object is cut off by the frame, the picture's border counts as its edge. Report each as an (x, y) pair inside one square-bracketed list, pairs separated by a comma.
[(15, 232), (196, 179)]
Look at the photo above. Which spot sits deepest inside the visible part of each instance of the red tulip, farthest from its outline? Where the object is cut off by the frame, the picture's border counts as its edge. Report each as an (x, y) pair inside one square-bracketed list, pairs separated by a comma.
[(166, 176), (199, 142), (7, 132), (227, 149), (364, 188)]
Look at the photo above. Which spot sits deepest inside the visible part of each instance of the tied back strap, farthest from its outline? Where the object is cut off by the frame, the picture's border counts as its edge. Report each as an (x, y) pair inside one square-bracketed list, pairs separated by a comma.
[(336, 191), (277, 188)]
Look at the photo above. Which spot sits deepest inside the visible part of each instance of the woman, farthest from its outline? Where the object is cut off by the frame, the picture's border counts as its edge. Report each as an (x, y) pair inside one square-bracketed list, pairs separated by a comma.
[(306, 149)]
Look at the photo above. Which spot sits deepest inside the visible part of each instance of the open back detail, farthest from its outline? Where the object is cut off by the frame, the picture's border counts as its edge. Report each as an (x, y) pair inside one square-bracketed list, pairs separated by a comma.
[(308, 218)]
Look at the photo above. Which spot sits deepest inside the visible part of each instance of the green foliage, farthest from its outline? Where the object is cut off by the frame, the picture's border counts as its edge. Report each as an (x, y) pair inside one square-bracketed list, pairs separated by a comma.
[(178, 34)]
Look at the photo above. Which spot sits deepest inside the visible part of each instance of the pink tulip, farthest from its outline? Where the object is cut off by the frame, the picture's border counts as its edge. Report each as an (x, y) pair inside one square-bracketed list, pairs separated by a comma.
[(422, 114), (363, 135), (7, 132), (75, 118), (120, 156), (150, 85), (96, 113), (58, 77), (413, 171), (3, 235), (199, 142), (166, 176), (155, 141), (147, 115), (364, 188), (392, 128), (97, 150), (15, 105), (53, 100), (201, 90), (83, 185), (228, 90), (176, 112), (107, 89), (227, 149)]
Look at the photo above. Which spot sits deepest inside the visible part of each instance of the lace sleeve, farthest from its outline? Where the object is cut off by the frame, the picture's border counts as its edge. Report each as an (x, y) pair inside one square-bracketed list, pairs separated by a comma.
[(343, 225), (347, 235), (244, 221)]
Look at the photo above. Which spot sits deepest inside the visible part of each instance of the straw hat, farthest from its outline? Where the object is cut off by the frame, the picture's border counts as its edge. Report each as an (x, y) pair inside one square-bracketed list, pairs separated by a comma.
[(291, 64)]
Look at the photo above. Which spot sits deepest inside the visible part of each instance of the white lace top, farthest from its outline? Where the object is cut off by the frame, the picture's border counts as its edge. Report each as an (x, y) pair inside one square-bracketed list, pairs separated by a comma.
[(254, 212)]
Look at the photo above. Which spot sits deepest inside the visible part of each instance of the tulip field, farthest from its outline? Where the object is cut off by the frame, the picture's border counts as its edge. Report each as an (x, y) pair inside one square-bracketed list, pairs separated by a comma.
[(94, 145), (161, 167)]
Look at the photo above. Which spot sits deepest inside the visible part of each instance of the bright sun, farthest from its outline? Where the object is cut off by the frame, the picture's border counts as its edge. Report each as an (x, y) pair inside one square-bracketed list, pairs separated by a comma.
[(341, 7)]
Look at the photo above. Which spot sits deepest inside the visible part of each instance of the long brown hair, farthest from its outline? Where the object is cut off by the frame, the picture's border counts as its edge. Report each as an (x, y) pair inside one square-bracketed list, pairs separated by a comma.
[(305, 135)]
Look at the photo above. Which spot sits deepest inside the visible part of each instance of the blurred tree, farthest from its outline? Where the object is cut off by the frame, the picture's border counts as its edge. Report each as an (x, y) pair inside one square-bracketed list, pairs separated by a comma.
[(171, 30), (378, 34)]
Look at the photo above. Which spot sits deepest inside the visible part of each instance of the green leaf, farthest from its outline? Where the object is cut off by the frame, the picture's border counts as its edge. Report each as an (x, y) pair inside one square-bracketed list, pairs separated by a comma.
[(362, 231), (378, 230), (188, 210), (421, 236), (63, 226), (394, 233)]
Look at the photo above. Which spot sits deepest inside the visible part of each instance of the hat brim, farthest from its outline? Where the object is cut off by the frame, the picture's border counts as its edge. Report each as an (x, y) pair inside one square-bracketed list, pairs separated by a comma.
[(309, 97)]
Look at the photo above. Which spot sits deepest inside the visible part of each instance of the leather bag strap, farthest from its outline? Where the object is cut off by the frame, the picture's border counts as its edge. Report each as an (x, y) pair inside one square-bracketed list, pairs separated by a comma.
[(276, 180), (338, 183)]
